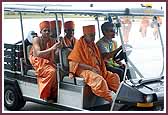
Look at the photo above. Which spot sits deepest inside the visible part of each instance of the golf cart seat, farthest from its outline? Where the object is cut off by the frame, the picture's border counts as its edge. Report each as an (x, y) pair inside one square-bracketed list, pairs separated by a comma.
[(27, 67), (76, 88), (65, 68), (30, 71)]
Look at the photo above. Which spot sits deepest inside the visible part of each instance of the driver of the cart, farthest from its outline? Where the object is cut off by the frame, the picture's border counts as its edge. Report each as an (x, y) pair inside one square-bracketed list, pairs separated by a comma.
[(108, 48)]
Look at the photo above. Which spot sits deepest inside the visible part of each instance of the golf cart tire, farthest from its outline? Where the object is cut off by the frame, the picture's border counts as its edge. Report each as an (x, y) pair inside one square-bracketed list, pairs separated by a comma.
[(12, 99)]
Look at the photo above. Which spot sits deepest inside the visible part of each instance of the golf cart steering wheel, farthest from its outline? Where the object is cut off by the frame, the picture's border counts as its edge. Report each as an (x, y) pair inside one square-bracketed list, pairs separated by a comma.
[(120, 54)]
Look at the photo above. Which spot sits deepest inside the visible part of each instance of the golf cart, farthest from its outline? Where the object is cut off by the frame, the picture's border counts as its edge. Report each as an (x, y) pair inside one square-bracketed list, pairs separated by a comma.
[(140, 92)]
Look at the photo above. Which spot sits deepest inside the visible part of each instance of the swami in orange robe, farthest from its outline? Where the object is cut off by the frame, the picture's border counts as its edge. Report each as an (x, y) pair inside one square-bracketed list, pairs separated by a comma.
[(126, 28), (85, 61), (69, 39), (53, 29), (144, 25), (42, 59)]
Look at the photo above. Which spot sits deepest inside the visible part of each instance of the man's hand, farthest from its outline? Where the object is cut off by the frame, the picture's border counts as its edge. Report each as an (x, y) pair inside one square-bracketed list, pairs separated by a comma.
[(71, 75), (59, 44), (54, 47), (120, 47), (95, 70)]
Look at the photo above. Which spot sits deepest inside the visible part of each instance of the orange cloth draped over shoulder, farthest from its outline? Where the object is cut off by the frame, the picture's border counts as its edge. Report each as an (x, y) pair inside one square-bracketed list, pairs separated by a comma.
[(46, 72), (101, 84), (69, 42)]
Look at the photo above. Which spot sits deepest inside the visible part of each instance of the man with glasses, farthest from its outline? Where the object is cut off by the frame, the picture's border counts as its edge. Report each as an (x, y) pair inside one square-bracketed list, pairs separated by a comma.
[(69, 39), (85, 61), (108, 48)]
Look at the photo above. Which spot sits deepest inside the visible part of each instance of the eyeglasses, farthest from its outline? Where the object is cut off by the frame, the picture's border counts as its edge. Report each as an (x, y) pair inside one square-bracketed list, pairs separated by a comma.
[(91, 35), (111, 30), (70, 30), (46, 30)]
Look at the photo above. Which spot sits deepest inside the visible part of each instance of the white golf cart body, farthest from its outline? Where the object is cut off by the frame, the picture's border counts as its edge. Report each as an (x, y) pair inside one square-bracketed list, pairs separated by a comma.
[(74, 94)]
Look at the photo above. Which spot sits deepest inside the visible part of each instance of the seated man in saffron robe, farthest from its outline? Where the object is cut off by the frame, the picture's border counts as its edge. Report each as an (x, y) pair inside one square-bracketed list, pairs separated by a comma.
[(54, 36), (85, 61), (53, 30), (42, 59), (69, 39)]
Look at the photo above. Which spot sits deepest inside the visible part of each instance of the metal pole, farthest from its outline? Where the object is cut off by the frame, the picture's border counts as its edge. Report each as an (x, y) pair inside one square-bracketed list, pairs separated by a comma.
[(114, 99), (56, 23), (58, 65), (62, 16), (123, 48), (126, 56), (98, 24), (161, 41), (21, 23)]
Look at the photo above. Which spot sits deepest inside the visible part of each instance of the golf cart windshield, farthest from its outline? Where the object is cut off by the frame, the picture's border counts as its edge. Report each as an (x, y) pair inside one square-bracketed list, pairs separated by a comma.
[(147, 51)]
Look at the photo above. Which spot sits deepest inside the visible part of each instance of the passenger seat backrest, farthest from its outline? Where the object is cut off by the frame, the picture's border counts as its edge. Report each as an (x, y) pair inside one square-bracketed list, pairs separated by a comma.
[(28, 46), (28, 53), (65, 68), (64, 60)]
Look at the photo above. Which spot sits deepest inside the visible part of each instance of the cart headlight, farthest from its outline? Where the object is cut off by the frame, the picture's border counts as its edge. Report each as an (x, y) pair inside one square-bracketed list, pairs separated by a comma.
[(149, 98)]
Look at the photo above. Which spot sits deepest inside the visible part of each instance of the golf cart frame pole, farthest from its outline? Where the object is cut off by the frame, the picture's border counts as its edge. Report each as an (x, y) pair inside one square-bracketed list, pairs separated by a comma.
[(58, 65), (162, 44), (24, 50), (58, 39), (62, 16), (127, 60), (98, 25), (21, 24), (122, 42), (123, 48), (56, 24)]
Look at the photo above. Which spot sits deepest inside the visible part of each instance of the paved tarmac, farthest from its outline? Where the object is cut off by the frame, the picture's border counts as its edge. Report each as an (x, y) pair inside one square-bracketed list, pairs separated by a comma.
[(30, 106)]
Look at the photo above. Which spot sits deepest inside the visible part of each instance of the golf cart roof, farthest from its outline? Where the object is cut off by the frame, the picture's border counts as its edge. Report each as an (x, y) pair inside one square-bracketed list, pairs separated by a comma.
[(48, 8)]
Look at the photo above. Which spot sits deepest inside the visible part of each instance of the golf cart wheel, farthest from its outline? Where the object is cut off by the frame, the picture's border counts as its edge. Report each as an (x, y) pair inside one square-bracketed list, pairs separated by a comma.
[(12, 100)]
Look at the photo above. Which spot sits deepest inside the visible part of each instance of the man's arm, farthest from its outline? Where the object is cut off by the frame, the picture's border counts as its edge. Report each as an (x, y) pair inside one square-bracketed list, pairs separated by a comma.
[(75, 65), (38, 52), (110, 54)]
